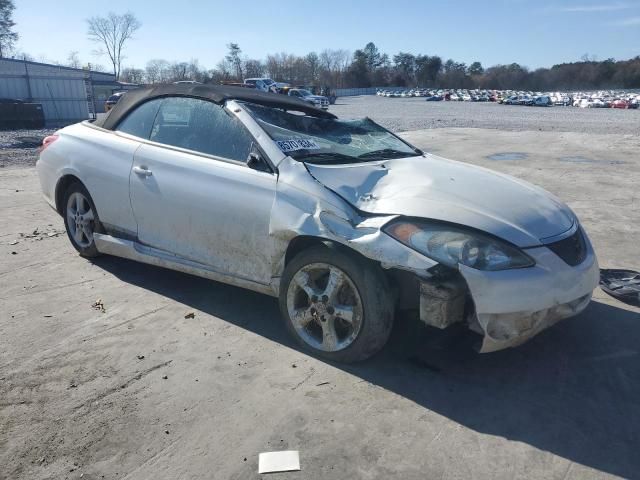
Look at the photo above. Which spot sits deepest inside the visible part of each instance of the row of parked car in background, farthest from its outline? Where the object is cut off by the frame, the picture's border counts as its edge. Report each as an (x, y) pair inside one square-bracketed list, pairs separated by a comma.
[(601, 99)]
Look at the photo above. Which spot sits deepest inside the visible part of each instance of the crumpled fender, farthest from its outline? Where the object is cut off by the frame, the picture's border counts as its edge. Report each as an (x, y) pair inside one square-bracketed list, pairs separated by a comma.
[(303, 206)]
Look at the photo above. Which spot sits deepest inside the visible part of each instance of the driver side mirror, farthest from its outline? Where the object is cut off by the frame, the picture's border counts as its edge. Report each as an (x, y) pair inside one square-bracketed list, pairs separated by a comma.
[(256, 162)]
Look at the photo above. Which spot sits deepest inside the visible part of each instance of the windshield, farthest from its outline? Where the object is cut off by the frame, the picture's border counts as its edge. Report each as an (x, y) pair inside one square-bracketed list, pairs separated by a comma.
[(304, 93), (326, 140)]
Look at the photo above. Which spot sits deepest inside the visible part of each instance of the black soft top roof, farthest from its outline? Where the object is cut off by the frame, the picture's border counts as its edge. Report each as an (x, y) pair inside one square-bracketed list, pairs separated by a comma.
[(215, 93)]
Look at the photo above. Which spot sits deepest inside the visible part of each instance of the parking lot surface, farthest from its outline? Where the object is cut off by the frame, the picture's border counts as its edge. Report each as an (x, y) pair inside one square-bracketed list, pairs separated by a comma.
[(104, 372), (403, 114)]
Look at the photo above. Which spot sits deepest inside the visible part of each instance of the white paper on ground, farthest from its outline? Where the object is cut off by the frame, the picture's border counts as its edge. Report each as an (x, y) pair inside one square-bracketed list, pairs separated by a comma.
[(285, 461)]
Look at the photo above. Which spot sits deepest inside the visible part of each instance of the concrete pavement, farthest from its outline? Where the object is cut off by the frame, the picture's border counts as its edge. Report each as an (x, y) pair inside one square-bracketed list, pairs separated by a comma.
[(141, 392)]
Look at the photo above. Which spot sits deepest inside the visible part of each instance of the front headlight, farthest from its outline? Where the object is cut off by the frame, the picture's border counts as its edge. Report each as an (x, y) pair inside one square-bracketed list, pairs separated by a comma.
[(452, 245)]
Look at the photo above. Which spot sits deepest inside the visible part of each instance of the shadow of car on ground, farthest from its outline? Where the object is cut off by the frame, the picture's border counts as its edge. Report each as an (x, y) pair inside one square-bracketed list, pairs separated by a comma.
[(573, 391)]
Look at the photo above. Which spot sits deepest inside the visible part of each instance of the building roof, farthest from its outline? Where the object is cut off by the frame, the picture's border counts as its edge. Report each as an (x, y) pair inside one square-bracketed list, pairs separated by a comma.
[(53, 66), (215, 93)]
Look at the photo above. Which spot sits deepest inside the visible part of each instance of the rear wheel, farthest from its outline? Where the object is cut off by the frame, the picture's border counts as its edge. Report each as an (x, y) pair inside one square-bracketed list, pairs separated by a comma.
[(81, 220), (336, 305)]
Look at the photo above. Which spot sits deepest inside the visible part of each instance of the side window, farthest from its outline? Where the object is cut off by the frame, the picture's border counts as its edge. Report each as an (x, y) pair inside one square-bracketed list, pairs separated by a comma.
[(140, 121), (201, 126)]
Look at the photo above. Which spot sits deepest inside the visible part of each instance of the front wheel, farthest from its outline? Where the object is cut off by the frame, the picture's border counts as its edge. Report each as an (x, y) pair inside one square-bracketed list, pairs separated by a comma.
[(336, 305)]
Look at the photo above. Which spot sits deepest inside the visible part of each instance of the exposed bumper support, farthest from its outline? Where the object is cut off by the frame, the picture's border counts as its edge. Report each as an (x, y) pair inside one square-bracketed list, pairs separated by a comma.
[(442, 302)]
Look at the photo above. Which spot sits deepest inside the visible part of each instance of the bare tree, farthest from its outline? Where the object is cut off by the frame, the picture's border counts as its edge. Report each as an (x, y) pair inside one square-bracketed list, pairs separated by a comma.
[(157, 71), (253, 68), (7, 36), (132, 75), (178, 71), (223, 70), (73, 60), (312, 62), (333, 64), (233, 58), (24, 56), (194, 72), (112, 33)]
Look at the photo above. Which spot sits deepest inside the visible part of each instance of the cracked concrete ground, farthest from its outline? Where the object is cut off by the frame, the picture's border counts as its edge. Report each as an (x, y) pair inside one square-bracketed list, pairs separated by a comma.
[(141, 392)]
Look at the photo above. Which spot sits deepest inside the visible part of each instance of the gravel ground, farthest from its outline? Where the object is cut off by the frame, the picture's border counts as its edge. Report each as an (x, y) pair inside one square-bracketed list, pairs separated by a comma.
[(19, 148), (404, 114)]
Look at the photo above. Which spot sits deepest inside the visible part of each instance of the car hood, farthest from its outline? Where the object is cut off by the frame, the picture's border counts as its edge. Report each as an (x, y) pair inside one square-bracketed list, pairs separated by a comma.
[(315, 97), (436, 188)]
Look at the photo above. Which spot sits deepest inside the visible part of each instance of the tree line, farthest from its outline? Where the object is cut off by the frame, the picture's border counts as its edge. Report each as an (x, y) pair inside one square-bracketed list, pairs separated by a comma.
[(368, 67)]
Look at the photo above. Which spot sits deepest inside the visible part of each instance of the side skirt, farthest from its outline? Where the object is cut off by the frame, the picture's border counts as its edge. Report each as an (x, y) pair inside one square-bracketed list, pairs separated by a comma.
[(119, 247)]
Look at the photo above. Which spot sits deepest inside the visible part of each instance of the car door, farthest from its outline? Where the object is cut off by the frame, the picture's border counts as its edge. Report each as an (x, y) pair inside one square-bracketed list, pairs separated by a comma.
[(194, 195), (107, 167)]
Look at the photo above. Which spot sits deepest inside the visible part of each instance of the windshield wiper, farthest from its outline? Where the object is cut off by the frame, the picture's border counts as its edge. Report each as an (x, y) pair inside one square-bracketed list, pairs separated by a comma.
[(386, 153), (331, 157)]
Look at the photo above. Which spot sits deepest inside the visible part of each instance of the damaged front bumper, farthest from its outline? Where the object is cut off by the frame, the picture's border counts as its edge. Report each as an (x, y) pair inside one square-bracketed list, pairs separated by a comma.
[(503, 330), (511, 306)]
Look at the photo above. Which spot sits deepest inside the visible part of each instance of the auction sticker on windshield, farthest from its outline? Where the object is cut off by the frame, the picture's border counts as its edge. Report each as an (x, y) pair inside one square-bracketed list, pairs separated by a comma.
[(297, 144)]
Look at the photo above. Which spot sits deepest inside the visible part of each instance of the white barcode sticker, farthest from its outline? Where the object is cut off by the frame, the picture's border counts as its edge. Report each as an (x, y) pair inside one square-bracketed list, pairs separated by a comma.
[(297, 144)]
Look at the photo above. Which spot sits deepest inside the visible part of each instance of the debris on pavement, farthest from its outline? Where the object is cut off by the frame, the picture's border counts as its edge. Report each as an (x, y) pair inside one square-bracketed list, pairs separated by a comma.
[(98, 305), (285, 461), (39, 234), (190, 315), (140, 357), (624, 285), (15, 242)]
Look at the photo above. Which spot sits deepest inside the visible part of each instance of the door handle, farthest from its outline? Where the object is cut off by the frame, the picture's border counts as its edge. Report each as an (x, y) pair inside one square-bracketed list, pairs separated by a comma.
[(142, 171)]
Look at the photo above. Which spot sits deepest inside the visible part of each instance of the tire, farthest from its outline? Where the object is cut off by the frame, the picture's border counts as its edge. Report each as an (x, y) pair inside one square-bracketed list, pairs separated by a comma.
[(361, 293), (80, 223)]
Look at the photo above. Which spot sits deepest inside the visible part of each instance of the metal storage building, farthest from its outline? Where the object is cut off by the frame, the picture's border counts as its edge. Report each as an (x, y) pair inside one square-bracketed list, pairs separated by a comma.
[(67, 95)]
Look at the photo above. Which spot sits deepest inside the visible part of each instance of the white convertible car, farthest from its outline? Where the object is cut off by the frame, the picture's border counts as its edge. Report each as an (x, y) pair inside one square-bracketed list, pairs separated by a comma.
[(342, 220)]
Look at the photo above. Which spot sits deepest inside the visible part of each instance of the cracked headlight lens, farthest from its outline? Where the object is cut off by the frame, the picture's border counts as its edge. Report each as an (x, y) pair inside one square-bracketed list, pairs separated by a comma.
[(452, 245)]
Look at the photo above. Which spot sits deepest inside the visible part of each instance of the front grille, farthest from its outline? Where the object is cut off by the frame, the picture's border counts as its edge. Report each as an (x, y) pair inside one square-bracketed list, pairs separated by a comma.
[(573, 249)]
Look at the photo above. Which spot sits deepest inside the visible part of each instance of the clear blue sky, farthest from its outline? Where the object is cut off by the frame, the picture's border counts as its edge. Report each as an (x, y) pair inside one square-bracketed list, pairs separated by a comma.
[(533, 33)]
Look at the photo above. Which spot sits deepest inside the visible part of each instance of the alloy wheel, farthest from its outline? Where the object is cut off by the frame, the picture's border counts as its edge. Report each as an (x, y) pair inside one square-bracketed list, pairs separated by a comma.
[(80, 219), (325, 307)]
